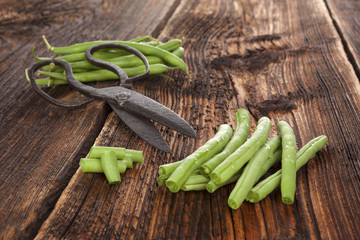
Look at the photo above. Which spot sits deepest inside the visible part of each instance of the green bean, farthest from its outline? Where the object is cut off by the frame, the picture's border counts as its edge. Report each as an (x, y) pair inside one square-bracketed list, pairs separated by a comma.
[(121, 153), (252, 170), (273, 159), (109, 165), (105, 54), (90, 44), (211, 186), (103, 75), (288, 162), (242, 155), (268, 185), (240, 135), (123, 62), (166, 170), (194, 187), (194, 160), (167, 56), (92, 165)]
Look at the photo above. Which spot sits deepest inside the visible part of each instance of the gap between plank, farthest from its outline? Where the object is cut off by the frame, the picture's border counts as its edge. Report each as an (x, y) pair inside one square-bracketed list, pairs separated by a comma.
[(348, 53)]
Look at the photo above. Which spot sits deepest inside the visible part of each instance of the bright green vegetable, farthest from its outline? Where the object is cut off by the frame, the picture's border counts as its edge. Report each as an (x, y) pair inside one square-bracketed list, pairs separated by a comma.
[(251, 172), (194, 187), (166, 170), (268, 185), (196, 182), (134, 155), (103, 74), (92, 165), (148, 50), (274, 158), (127, 61), (110, 167), (105, 54), (240, 135), (202, 154), (288, 162), (242, 155)]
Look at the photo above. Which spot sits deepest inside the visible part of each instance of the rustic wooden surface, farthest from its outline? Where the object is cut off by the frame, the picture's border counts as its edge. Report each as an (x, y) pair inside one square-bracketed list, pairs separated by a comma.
[(289, 60)]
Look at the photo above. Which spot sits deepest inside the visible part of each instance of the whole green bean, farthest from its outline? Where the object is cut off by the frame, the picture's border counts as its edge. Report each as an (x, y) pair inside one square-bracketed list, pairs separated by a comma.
[(102, 75), (202, 154), (251, 172), (149, 50), (242, 155), (240, 135), (110, 167), (104, 54), (288, 162), (123, 62), (268, 185)]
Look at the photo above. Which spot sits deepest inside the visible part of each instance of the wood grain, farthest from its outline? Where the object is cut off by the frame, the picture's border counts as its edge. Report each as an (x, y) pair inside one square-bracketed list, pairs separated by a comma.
[(280, 58), (283, 59), (41, 144), (345, 15)]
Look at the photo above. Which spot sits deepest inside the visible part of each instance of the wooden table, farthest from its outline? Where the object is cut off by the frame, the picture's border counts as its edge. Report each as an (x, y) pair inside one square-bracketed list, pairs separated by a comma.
[(291, 60)]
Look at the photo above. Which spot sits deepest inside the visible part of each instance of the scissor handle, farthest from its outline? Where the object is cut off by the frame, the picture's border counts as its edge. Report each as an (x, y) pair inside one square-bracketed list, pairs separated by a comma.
[(47, 97), (124, 79)]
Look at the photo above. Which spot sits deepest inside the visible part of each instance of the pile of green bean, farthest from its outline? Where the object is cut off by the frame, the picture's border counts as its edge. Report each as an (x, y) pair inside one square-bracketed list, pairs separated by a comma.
[(234, 157), (111, 161), (162, 57)]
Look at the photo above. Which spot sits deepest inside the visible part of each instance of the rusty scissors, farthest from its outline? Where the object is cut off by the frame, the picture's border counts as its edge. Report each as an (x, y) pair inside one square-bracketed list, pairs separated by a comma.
[(136, 110)]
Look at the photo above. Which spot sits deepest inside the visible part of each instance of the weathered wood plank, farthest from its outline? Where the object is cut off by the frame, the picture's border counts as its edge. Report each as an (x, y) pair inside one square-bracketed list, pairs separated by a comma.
[(283, 59), (41, 144), (346, 19)]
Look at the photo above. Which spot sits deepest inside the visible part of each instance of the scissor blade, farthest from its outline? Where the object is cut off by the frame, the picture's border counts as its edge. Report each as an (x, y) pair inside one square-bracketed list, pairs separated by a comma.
[(149, 108), (143, 127)]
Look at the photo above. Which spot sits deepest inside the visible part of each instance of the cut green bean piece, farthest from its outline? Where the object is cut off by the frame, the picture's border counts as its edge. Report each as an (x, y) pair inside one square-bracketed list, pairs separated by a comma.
[(240, 135), (202, 154), (211, 186), (161, 181), (110, 167), (269, 184), (92, 165), (251, 172), (134, 155), (196, 179), (272, 160), (97, 151), (242, 155), (194, 187), (166, 170), (288, 162)]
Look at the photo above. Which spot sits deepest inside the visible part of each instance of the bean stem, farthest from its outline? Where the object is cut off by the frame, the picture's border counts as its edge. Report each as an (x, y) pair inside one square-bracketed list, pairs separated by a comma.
[(202, 154)]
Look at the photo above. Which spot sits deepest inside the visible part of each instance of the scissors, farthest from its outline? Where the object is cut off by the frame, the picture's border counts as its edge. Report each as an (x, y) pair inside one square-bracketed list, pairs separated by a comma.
[(134, 109)]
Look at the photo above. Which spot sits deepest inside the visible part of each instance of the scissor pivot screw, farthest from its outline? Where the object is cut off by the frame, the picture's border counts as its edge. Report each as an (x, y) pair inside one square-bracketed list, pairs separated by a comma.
[(123, 96)]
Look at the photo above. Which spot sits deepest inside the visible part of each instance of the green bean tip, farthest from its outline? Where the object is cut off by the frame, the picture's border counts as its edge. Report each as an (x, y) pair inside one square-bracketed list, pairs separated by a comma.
[(49, 47)]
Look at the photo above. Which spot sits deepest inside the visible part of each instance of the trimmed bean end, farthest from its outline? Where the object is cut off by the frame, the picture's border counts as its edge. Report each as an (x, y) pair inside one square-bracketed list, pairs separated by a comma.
[(288, 200)]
